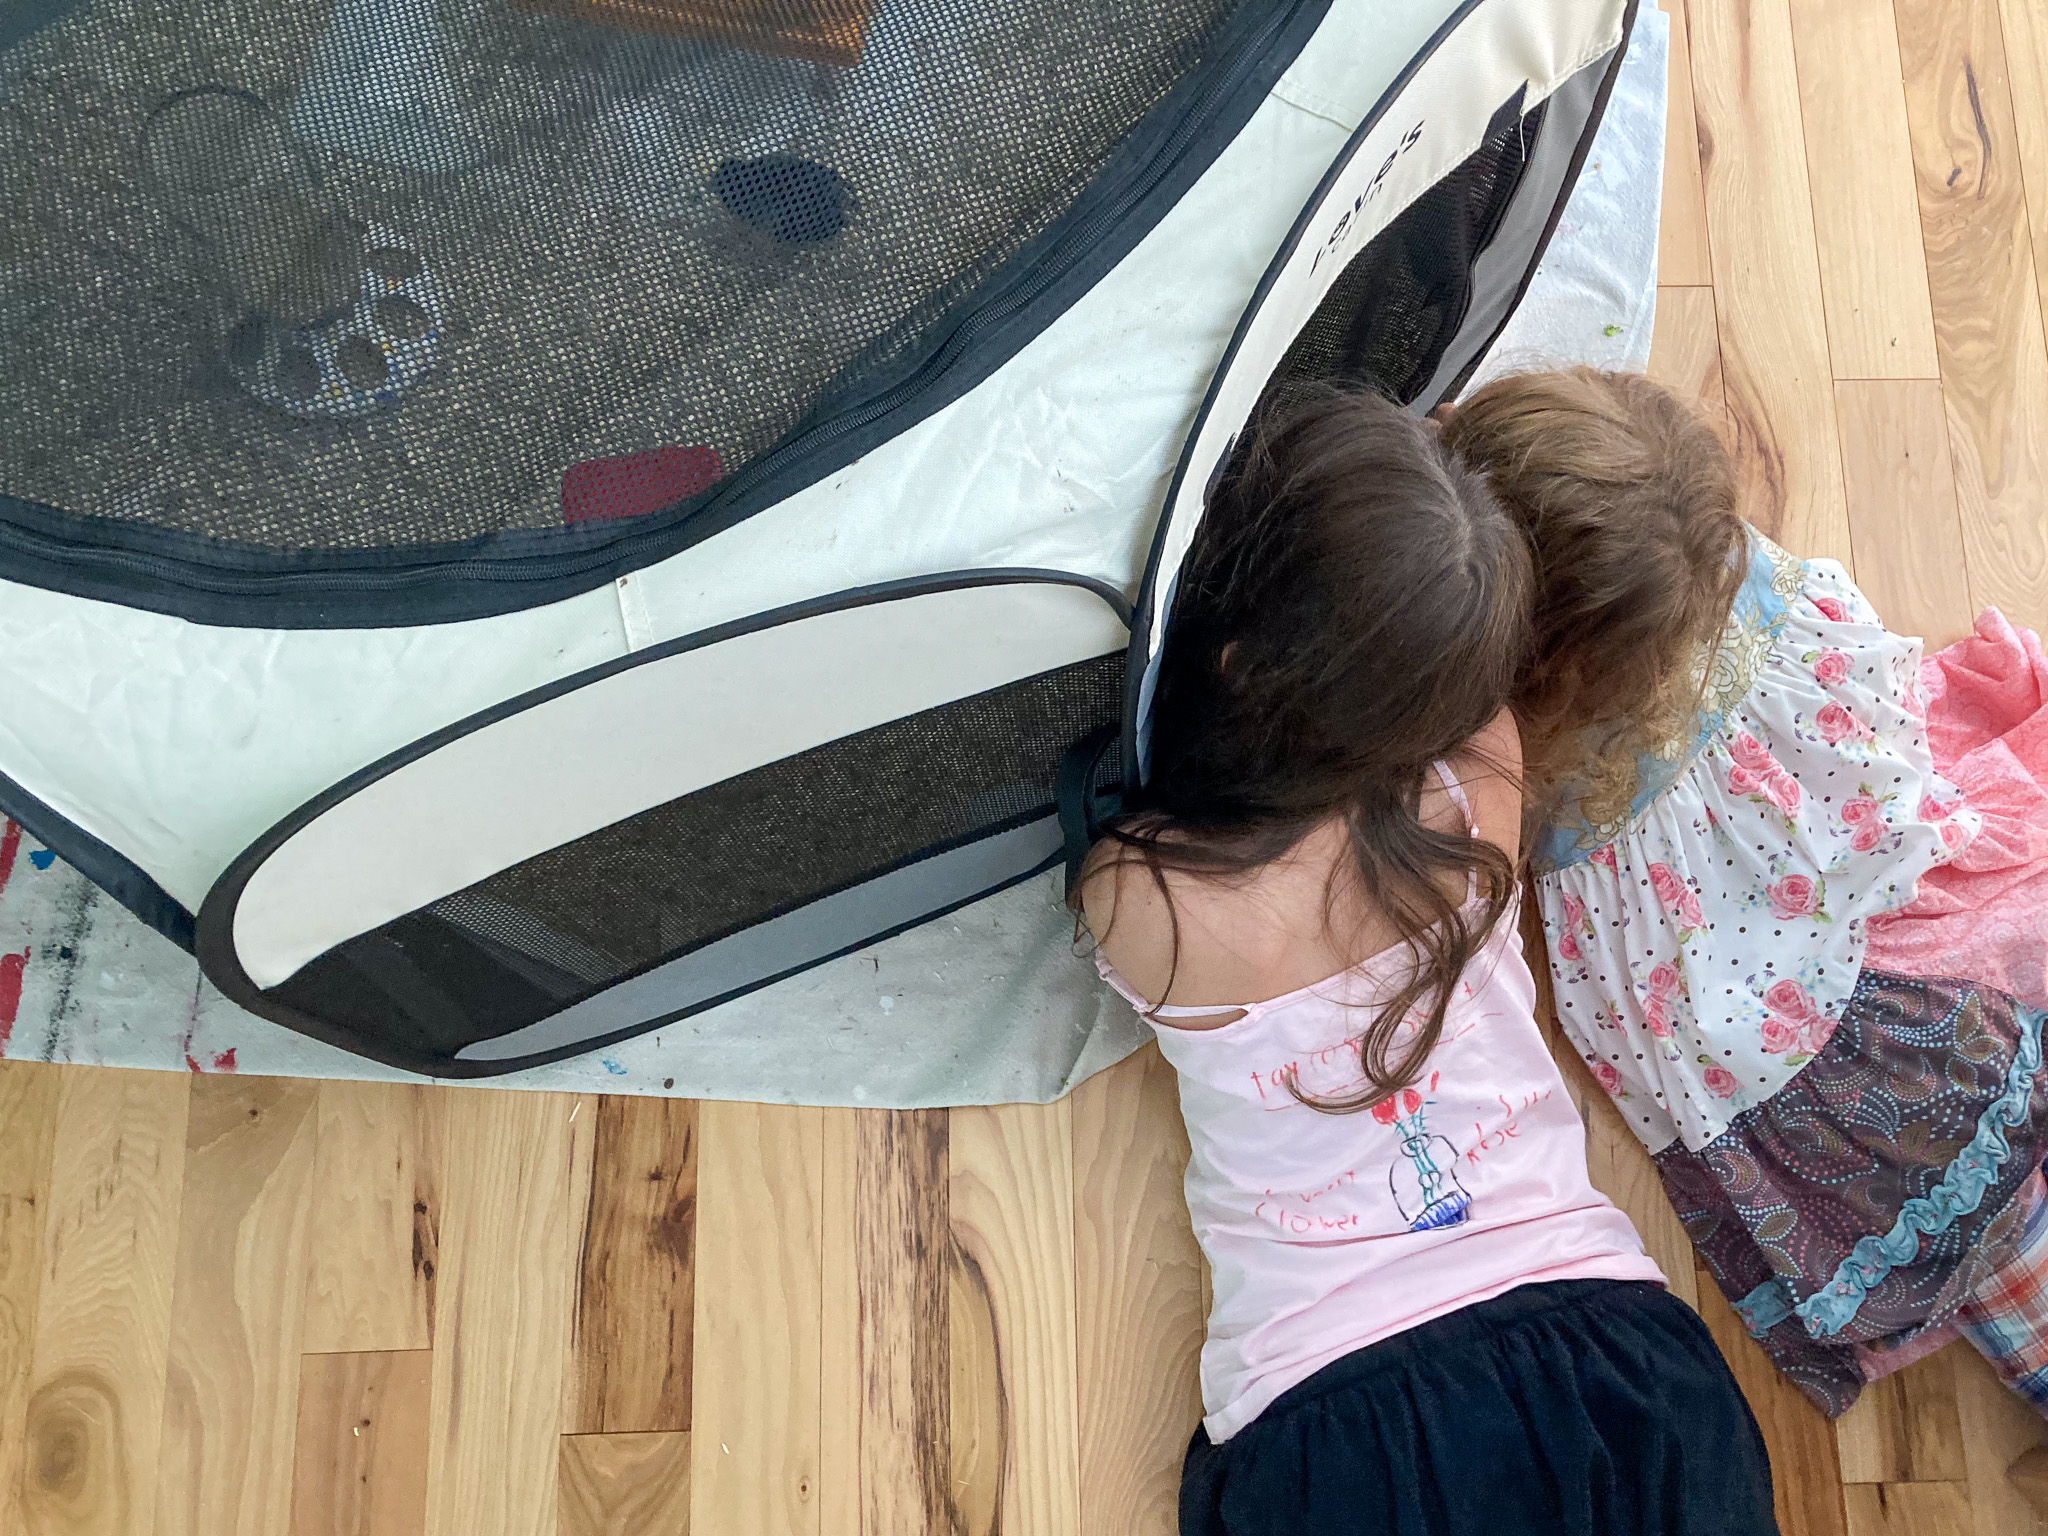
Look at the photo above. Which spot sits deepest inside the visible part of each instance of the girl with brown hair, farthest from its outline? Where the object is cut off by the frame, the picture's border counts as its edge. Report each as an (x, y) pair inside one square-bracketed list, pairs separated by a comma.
[(1741, 839), (1425, 1319)]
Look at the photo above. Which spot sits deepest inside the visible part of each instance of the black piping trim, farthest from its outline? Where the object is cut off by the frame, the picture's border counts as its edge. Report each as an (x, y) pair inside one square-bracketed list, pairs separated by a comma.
[(214, 939), (239, 584), (1134, 674), (120, 877)]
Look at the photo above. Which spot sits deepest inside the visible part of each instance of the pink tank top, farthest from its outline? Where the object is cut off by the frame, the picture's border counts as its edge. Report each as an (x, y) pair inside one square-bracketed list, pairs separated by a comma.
[(1327, 1232)]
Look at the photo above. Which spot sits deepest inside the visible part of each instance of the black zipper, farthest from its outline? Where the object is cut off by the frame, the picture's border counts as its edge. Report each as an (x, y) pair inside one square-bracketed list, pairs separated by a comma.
[(543, 567)]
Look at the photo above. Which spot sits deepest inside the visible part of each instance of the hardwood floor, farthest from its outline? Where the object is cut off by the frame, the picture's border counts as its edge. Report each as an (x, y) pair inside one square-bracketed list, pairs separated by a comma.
[(246, 1307)]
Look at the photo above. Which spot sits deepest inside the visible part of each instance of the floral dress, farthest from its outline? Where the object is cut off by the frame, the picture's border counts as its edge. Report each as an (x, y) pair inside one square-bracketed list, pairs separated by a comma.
[(1845, 1145)]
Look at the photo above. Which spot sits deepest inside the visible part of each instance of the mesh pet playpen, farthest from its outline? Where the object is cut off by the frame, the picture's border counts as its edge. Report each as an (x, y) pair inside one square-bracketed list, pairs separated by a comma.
[(524, 519)]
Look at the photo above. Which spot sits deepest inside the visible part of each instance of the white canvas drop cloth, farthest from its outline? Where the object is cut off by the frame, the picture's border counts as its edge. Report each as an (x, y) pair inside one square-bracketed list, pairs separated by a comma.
[(990, 1005)]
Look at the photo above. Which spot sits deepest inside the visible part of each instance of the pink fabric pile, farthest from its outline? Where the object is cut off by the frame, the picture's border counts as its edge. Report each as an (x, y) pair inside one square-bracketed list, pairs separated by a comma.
[(1984, 916)]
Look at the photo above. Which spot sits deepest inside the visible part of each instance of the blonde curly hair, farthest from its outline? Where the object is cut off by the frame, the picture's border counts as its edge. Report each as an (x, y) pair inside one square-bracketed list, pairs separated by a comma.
[(1628, 498)]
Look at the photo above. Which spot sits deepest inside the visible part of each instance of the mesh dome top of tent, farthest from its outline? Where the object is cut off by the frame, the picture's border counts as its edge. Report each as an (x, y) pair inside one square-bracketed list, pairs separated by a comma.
[(409, 273)]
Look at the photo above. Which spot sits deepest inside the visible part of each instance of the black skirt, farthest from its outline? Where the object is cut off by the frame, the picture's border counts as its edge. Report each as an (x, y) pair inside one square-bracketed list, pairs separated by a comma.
[(1580, 1408)]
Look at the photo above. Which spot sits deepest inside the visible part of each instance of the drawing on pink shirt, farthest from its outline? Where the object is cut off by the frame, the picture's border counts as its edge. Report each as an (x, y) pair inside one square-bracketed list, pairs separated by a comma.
[(1426, 1191)]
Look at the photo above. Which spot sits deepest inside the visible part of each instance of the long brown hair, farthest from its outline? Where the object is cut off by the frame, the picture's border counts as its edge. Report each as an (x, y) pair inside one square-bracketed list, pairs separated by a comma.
[(1628, 499), (1355, 609)]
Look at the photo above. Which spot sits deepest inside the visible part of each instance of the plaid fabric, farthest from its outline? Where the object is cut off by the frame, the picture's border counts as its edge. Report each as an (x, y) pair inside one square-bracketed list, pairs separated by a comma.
[(2006, 1317)]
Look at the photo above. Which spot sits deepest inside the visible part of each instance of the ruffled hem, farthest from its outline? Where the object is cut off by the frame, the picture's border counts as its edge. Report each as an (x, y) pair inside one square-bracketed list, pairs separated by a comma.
[(1870, 1200)]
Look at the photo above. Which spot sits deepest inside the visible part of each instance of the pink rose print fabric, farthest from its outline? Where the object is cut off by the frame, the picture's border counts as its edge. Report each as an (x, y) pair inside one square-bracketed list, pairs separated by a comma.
[(1759, 775), (1701, 953), (1677, 897)]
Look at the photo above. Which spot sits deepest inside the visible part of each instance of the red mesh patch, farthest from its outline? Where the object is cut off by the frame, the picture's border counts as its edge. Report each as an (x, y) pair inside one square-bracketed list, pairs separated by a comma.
[(634, 484)]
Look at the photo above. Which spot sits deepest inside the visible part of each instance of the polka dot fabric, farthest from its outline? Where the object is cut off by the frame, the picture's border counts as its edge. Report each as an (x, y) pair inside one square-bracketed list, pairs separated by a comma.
[(1703, 952)]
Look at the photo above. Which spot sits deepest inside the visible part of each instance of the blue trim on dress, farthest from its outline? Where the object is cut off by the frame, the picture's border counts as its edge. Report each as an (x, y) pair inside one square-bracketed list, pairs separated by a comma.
[(1961, 1190), (1758, 610)]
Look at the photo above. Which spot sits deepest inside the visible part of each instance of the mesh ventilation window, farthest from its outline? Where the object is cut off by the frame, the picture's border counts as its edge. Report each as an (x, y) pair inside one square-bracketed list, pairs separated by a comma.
[(1396, 307), (527, 942), (393, 273)]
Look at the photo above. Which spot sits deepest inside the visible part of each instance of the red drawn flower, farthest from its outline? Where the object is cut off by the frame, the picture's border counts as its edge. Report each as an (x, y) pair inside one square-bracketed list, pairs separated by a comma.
[(1820, 1029), (1607, 1077), (1385, 1111), (1832, 609), (1604, 854), (1720, 1082), (1953, 836)]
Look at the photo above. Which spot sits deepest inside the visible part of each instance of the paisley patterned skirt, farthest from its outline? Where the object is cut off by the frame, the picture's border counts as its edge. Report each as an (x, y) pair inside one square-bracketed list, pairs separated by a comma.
[(1862, 1204)]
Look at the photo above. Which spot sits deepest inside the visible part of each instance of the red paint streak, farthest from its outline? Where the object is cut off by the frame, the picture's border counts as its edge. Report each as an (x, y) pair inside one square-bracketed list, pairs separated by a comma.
[(10, 844), (11, 967), (225, 1061), (191, 1065)]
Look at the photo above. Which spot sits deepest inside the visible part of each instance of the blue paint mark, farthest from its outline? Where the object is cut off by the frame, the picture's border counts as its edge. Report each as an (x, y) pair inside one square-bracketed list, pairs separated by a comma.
[(42, 858), (612, 1066)]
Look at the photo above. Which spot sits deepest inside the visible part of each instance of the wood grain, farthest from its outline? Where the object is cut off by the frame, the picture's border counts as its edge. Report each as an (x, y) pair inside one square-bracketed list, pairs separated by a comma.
[(1904, 1428), (1987, 310), (232, 1387), (1621, 1169), (2024, 25), (626, 1485), (1683, 258), (1805, 1475), (1138, 1298), (981, 1422), (1908, 1509), (502, 1313), (1998, 1428), (635, 1297), (28, 1122), (376, 1228), (110, 1243), (839, 1374), (1685, 348), (906, 1452), (754, 1436), (2029, 1475), (1902, 506), (359, 1459), (1010, 1181), (1775, 368), (1860, 167)]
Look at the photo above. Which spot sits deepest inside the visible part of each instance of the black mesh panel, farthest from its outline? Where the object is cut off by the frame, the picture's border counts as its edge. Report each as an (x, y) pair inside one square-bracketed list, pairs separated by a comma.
[(386, 273), (521, 945), (1397, 305)]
